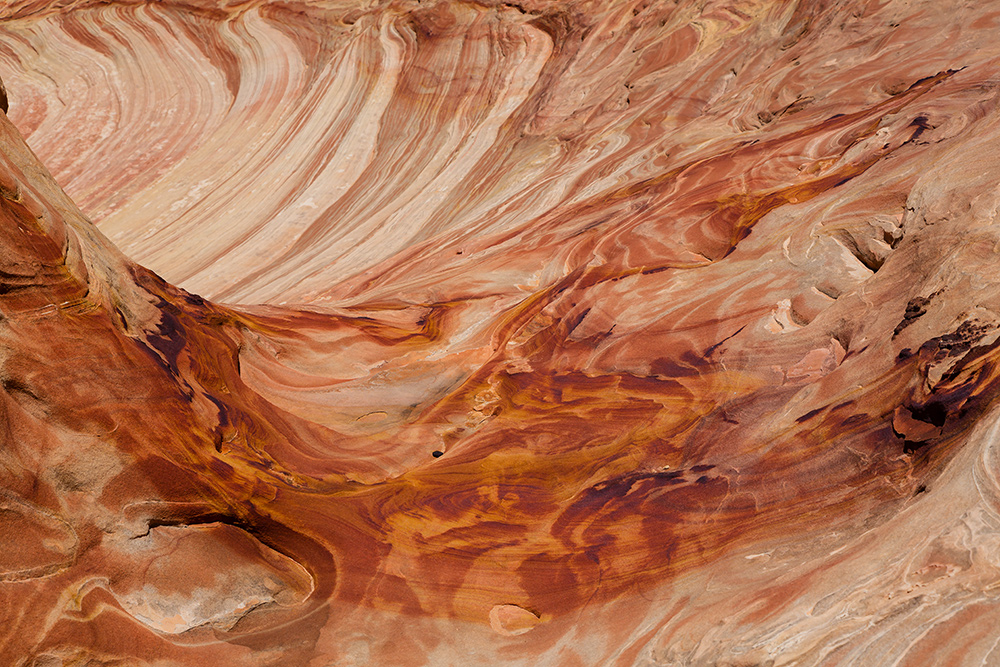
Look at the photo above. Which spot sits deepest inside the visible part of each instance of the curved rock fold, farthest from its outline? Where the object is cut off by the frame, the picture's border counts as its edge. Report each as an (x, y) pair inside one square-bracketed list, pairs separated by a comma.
[(631, 333)]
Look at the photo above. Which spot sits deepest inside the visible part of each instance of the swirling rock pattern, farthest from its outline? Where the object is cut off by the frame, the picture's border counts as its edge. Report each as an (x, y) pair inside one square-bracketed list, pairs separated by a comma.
[(601, 333)]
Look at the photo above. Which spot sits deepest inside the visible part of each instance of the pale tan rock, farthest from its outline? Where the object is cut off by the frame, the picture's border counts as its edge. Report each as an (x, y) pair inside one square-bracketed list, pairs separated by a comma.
[(511, 620), (666, 331)]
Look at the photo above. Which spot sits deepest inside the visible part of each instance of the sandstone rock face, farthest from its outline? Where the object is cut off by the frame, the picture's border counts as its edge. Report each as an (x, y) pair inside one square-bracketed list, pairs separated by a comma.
[(478, 333)]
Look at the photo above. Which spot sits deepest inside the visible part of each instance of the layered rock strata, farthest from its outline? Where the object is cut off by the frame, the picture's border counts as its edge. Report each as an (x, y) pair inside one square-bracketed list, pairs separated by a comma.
[(390, 333)]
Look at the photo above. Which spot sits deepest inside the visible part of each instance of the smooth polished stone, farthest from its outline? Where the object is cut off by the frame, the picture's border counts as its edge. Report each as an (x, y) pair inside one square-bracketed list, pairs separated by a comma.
[(479, 333)]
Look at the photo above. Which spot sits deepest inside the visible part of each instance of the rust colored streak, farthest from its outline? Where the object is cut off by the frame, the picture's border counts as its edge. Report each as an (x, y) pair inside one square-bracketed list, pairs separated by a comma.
[(554, 333)]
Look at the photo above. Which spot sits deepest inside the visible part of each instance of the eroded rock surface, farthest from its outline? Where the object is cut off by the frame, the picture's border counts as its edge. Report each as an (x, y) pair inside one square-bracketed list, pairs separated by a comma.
[(475, 333)]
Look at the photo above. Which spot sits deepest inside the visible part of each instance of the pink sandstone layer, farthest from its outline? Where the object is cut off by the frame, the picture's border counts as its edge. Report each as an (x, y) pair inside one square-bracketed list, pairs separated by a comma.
[(478, 333)]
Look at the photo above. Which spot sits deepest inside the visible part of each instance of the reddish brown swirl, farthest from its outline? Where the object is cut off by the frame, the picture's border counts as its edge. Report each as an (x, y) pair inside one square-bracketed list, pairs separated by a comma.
[(478, 333)]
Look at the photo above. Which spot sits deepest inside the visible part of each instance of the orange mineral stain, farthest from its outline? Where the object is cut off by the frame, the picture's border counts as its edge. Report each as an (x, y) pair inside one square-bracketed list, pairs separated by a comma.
[(484, 333)]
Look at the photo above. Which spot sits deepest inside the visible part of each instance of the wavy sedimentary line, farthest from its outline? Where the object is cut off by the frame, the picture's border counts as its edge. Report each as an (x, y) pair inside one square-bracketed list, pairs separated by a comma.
[(899, 608), (645, 374), (403, 201), (102, 129), (800, 193), (194, 193), (308, 109)]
